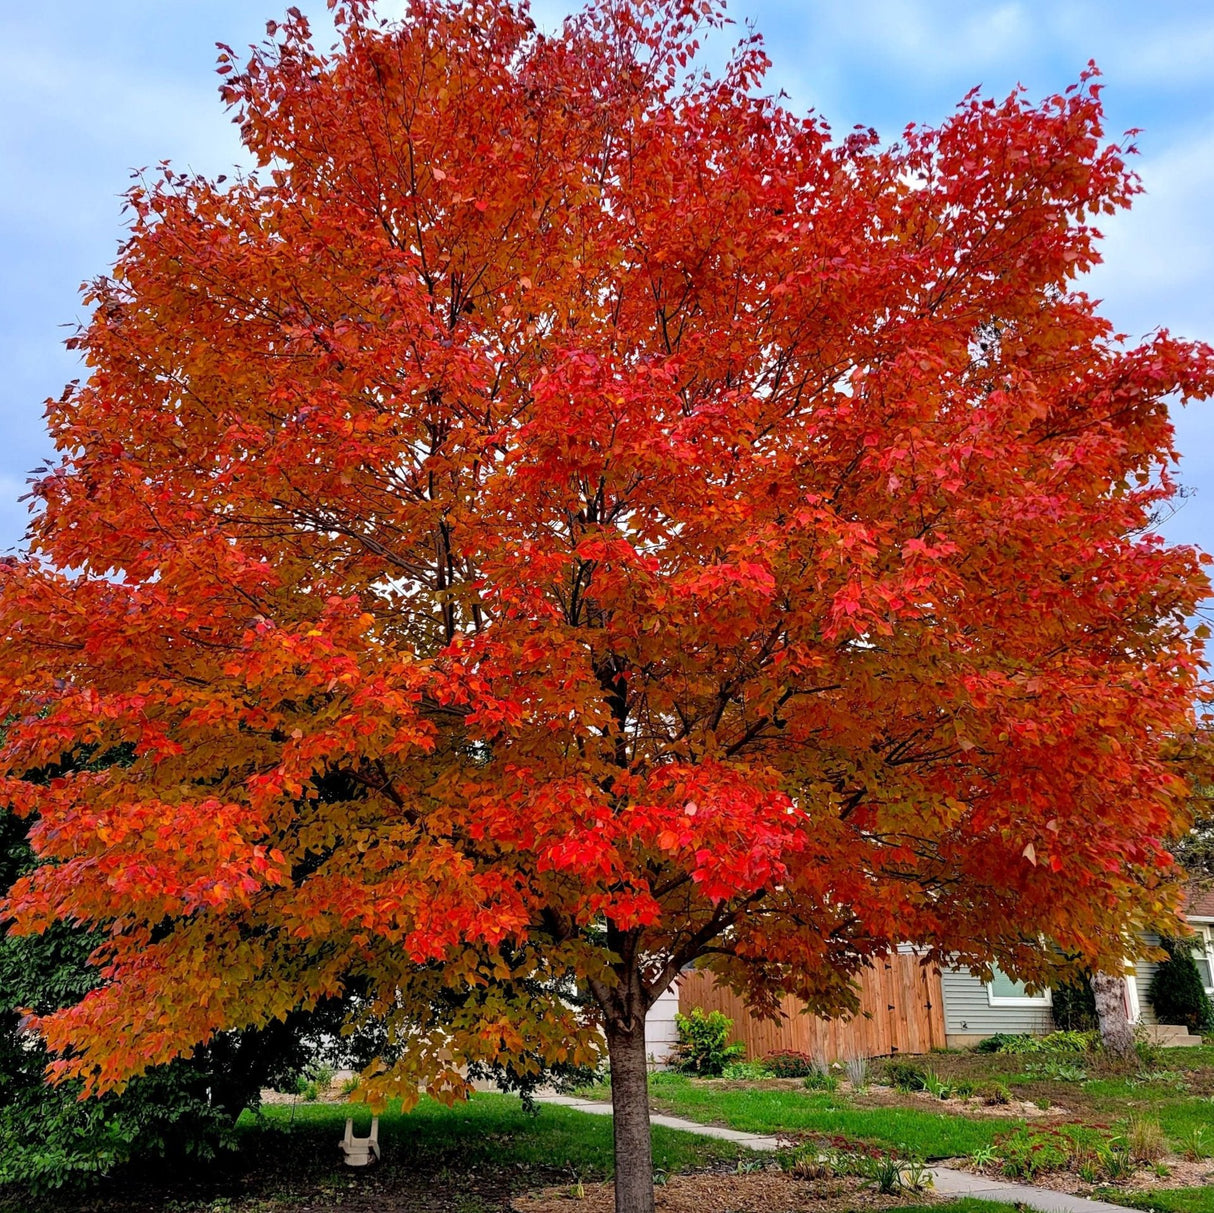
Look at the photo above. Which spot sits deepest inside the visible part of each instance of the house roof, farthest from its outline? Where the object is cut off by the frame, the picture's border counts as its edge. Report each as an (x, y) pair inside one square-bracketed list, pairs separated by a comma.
[(1199, 903)]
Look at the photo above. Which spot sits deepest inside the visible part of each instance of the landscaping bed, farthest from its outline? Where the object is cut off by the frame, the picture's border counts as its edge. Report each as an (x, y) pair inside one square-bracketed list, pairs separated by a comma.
[(770, 1190), (1055, 1114)]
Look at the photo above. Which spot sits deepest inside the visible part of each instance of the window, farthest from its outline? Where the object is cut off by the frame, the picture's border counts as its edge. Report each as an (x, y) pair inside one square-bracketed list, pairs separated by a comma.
[(1203, 954), (1002, 991)]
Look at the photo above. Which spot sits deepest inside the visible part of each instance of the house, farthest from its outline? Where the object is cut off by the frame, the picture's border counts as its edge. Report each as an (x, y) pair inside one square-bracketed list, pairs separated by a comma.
[(906, 1008), (975, 1009)]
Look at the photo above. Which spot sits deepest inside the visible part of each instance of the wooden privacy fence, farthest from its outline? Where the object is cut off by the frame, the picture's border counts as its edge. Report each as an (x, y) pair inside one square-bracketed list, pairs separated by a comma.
[(901, 1011)]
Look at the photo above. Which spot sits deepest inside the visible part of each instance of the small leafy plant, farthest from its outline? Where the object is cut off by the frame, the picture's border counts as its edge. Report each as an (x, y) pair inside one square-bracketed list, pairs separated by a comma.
[(1174, 1079), (1057, 1071), (933, 1084), (1029, 1152), (1054, 1042), (820, 1078), (1193, 1145), (994, 1094), (917, 1176), (886, 1173), (1117, 1162), (704, 1048), (747, 1071)]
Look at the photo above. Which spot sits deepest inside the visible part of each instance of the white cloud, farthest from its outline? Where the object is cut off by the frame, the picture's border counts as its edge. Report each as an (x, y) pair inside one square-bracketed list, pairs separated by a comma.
[(1142, 45), (1159, 257), (934, 37)]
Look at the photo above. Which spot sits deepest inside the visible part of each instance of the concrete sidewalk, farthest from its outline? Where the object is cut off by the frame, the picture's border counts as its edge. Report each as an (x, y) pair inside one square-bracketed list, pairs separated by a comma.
[(596, 1107), (948, 1182)]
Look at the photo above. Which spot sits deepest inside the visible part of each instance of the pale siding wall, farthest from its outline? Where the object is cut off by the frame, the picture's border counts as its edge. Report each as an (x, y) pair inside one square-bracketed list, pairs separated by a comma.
[(967, 1011), (1144, 970), (661, 1035)]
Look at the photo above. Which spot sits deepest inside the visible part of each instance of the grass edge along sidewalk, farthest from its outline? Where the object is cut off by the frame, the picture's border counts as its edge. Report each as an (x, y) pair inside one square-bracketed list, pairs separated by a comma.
[(947, 1181)]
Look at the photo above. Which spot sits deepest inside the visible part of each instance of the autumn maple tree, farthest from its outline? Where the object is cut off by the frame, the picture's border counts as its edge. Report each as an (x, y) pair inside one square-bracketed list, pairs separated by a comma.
[(564, 517)]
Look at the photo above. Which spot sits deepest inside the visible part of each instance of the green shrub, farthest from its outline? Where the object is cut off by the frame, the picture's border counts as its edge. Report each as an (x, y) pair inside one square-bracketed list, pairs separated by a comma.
[(312, 1083), (788, 1063), (1074, 1006), (1150, 1054), (1176, 991), (703, 1047), (173, 1116), (997, 1043)]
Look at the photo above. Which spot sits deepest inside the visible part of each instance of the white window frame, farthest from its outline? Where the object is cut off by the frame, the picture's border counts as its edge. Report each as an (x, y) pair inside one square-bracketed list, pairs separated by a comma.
[(1044, 999), (1205, 943), (1133, 1009)]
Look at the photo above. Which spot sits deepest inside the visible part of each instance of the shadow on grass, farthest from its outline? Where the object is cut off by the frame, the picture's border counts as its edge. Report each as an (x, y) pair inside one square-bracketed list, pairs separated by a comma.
[(472, 1157)]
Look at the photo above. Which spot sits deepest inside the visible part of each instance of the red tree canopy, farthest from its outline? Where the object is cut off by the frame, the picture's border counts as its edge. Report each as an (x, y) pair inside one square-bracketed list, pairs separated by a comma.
[(564, 514)]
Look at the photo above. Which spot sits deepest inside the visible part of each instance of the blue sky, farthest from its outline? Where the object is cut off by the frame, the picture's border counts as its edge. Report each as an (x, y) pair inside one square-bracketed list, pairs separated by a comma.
[(91, 91)]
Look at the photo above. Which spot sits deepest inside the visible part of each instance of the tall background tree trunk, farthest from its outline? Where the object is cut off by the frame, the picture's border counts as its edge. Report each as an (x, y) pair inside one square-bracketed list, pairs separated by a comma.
[(630, 1105), (1115, 1029)]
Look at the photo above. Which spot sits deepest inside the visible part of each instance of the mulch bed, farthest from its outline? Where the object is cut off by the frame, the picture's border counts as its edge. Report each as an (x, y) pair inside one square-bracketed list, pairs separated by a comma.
[(769, 1191)]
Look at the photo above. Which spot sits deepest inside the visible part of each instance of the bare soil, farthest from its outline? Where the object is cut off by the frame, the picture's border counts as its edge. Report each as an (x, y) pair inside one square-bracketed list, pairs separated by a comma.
[(888, 1097)]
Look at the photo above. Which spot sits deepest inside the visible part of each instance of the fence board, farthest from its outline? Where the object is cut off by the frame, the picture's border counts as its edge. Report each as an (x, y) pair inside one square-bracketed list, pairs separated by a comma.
[(901, 1011)]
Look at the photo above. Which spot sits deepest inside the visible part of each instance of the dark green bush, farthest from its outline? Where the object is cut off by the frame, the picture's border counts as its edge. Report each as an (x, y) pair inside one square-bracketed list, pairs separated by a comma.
[(1176, 991), (703, 1047), (995, 1044), (905, 1076), (175, 1115), (1074, 1006)]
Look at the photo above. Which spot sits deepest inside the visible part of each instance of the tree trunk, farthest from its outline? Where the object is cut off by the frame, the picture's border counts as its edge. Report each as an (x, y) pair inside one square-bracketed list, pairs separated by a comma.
[(1115, 1030), (630, 1105)]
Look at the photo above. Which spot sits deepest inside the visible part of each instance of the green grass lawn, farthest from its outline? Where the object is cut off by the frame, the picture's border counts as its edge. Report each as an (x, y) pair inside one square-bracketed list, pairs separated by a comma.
[(1176, 1200), (488, 1130), (473, 1157), (922, 1132), (966, 1204), (1177, 1089)]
